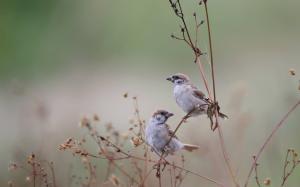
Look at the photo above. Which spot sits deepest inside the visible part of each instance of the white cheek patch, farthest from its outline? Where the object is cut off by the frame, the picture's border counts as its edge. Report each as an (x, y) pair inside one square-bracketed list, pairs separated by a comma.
[(159, 118)]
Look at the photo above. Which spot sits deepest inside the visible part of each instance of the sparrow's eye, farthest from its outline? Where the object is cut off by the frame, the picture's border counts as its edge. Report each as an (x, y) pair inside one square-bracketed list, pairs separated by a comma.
[(159, 117), (164, 113), (175, 77)]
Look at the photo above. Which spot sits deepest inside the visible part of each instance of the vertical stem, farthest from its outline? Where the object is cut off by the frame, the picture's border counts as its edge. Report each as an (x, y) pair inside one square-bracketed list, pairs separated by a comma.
[(159, 180), (210, 51), (203, 76), (53, 174), (34, 174), (220, 133), (224, 151)]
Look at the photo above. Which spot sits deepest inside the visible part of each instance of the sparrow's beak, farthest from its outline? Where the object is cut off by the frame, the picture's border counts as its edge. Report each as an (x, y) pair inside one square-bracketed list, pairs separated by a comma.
[(170, 79), (170, 114)]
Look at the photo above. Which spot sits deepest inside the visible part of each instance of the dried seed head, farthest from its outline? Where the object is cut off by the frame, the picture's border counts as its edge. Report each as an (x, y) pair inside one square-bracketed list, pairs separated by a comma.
[(30, 158), (96, 117), (27, 179), (125, 95), (136, 141), (295, 154), (292, 72), (267, 181), (10, 183), (84, 160), (114, 180), (109, 126), (116, 133), (12, 166), (125, 135), (84, 122)]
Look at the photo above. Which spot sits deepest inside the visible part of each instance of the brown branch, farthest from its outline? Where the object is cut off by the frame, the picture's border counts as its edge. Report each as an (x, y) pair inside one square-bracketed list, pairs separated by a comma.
[(197, 53), (50, 164), (279, 124), (210, 51), (158, 162), (220, 133), (256, 173), (294, 161)]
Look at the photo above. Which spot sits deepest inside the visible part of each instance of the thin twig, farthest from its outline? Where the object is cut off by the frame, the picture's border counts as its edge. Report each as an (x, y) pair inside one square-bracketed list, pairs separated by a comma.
[(210, 51), (220, 133), (279, 124), (294, 161), (256, 174)]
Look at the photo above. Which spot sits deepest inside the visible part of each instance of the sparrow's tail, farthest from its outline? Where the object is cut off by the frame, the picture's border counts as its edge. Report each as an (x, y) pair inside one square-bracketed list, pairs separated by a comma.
[(189, 147), (223, 115)]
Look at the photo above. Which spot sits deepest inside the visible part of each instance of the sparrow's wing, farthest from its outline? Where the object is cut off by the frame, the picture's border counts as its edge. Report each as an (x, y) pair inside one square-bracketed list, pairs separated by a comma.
[(199, 94), (171, 132)]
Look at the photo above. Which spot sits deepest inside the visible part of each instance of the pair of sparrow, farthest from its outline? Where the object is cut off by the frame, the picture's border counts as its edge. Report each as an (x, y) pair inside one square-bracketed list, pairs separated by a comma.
[(190, 100)]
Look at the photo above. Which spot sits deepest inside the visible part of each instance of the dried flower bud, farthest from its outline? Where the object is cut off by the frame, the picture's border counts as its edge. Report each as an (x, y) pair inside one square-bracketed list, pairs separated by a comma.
[(125, 135), (109, 126), (84, 160), (96, 117), (10, 183), (30, 158), (27, 179), (114, 180), (136, 141), (125, 95), (295, 154), (292, 72), (267, 181), (12, 166), (84, 122), (116, 134)]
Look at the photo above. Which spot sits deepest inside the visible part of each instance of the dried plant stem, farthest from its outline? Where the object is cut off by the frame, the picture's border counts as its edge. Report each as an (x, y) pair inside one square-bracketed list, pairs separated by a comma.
[(294, 162), (210, 51), (224, 152), (159, 181), (279, 124), (200, 66), (50, 164), (220, 133), (196, 174), (127, 155), (34, 173), (256, 174)]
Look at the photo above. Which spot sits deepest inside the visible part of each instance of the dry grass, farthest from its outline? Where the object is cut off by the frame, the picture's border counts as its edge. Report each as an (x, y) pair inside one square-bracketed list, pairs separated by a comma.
[(129, 159)]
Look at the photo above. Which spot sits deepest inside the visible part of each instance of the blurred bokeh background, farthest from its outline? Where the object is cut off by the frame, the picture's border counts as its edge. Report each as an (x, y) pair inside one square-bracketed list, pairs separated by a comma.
[(63, 59)]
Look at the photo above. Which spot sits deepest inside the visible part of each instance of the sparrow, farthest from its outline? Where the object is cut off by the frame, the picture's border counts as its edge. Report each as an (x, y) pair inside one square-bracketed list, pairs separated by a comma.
[(188, 97), (158, 135)]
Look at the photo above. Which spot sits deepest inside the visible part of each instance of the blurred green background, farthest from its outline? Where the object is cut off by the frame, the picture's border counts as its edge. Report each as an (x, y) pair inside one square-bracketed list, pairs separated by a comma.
[(62, 59)]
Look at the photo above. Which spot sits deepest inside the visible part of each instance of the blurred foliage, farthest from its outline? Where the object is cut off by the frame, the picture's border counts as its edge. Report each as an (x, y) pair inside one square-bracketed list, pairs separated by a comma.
[(255, 44)]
